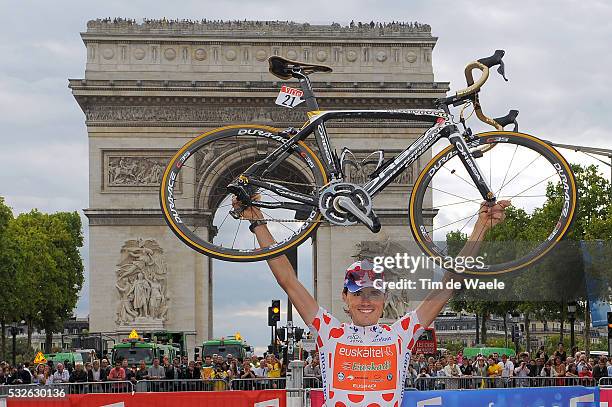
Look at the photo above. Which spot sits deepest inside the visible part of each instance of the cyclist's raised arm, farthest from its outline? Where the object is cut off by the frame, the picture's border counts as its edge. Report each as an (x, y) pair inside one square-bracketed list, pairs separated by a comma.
[(282, 270), (431, 306)]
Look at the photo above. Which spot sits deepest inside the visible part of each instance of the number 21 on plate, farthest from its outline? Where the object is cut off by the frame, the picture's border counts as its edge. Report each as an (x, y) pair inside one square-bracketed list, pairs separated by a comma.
[(289, 97)]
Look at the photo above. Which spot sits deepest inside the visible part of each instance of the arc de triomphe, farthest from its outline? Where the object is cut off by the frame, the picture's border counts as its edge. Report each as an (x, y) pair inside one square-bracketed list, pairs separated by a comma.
[(149, 87)]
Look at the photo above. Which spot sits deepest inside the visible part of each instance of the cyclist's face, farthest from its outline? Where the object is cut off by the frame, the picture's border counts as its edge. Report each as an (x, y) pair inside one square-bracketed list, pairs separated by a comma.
[(365, 306)]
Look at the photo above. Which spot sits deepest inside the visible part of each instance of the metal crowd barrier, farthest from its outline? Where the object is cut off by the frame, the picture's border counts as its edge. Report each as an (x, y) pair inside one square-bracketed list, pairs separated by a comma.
[(76, 388), (605, 381), (308, 384), (259, 383), (95, 387), (480, 382), (311, 382)]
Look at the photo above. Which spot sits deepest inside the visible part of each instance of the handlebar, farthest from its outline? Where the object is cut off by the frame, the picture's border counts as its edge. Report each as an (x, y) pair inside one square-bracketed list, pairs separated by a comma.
[(471, 92)]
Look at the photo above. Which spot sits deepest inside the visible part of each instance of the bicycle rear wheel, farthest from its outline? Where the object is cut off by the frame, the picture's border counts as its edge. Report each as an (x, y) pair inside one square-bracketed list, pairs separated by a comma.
[(196, 204), (445, 203)]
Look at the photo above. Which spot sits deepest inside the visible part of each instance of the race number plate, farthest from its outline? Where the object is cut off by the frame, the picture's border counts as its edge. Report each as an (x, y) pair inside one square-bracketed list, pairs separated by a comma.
[(289, 97)]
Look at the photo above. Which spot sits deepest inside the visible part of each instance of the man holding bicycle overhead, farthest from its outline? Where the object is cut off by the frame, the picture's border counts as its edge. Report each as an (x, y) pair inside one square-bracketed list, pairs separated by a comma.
[(362, 362)]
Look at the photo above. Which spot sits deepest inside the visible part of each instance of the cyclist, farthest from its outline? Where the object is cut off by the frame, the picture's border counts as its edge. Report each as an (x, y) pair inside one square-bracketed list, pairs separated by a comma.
[(364, 363)]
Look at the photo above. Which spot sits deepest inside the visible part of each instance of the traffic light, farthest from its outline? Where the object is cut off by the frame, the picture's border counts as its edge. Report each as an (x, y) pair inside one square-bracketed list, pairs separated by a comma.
[(281, 334), (274, 313), (514, 333), (609, 325), (298, 333)]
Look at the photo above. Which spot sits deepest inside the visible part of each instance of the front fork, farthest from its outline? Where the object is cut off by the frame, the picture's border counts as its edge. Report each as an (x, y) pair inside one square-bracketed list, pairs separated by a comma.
[(472, 167)]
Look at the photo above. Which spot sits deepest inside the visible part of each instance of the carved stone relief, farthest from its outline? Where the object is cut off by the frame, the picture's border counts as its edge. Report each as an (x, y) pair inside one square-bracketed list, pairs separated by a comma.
[(138, 170), (255, 54), (142, 276), (194, 113), (358, 171), (178, 113)]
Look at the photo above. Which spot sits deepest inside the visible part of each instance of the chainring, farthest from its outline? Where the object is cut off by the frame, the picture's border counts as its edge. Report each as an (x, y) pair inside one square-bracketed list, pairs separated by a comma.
[(336, 215)]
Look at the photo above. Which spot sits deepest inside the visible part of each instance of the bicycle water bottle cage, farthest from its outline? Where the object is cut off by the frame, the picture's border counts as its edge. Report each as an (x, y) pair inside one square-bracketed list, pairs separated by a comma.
[(347, 158), (286, 68)]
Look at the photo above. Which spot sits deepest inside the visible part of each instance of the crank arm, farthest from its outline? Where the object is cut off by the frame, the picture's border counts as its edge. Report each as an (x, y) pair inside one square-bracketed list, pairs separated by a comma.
[(347, 204)]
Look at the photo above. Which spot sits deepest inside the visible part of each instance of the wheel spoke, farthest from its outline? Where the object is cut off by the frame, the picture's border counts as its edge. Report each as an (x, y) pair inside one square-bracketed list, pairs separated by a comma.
[(457, 221), (507, 171), (454, 172), (533, 186), (519, 173)]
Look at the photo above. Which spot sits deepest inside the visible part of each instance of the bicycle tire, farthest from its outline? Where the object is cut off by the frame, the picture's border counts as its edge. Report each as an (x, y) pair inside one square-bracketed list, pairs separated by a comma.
[(181, 221), (425, 237)]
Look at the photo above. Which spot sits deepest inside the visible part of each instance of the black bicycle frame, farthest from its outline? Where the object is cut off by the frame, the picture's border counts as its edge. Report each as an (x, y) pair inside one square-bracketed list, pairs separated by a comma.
[(442, 128)]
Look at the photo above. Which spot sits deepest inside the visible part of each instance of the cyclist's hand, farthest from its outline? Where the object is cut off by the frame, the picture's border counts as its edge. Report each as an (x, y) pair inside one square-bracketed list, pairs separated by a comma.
[(248, 213), (490, 216)]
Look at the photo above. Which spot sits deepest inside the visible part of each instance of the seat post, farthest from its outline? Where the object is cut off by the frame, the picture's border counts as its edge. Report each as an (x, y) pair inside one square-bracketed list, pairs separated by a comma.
[(309, 97)]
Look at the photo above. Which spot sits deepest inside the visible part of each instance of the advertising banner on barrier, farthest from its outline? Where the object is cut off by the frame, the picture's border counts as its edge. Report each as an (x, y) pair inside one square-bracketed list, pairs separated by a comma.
[(577, 396), (605, 396), (261, 398)]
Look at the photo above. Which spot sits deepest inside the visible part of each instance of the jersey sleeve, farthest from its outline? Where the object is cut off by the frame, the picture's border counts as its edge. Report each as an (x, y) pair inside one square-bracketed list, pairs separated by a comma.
[(409, 329), (326, 326)]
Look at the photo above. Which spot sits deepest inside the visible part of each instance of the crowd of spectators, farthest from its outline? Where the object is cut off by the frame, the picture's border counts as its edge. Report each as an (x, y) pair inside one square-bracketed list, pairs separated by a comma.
[(508, 371), (217, 372)]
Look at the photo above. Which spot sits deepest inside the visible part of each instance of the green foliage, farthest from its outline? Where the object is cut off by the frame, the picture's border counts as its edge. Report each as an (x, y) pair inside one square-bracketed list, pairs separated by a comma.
[(499, 343), (23, 352), (453, 346), (41, 268), (561, 269)]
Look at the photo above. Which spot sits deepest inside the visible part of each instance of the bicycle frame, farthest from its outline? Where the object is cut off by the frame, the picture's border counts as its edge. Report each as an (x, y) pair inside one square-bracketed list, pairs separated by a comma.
[(442, 128)]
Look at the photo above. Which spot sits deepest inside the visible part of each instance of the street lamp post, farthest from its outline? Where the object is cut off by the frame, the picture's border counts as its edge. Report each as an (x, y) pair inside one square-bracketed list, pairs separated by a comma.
[(14, 332), (515, 318), (571, 315)]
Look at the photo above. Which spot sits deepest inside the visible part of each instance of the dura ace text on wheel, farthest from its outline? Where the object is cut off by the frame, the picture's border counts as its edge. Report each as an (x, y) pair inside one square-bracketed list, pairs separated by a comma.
[(520, 168), (196, 202)]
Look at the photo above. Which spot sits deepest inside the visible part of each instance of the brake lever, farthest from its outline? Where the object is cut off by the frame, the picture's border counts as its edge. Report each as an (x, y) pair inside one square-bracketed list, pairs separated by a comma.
[(502, 70)]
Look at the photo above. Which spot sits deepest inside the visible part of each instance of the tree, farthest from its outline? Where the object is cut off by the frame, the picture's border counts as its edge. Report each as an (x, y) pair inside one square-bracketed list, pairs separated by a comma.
[(47, 267), (562, 270), (6, 215)]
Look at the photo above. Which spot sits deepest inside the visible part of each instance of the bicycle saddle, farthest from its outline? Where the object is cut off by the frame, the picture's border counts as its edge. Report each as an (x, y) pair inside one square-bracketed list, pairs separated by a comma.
[(283, 68)]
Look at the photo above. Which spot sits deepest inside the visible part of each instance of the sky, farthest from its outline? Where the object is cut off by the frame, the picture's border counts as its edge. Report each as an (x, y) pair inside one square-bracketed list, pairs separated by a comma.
[(557, 60)]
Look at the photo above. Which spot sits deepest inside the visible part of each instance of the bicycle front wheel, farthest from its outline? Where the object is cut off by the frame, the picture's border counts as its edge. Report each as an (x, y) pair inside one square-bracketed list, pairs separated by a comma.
[(196, 204), (445, 203)]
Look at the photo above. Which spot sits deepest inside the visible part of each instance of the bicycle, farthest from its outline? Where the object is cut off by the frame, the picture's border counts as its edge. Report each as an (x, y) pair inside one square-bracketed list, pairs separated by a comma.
[(300, 188)]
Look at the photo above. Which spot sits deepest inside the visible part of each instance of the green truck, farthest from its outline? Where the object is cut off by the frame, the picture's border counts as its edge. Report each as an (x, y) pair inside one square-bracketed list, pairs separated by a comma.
[(74, 358), (135, 350), (233, 344)]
